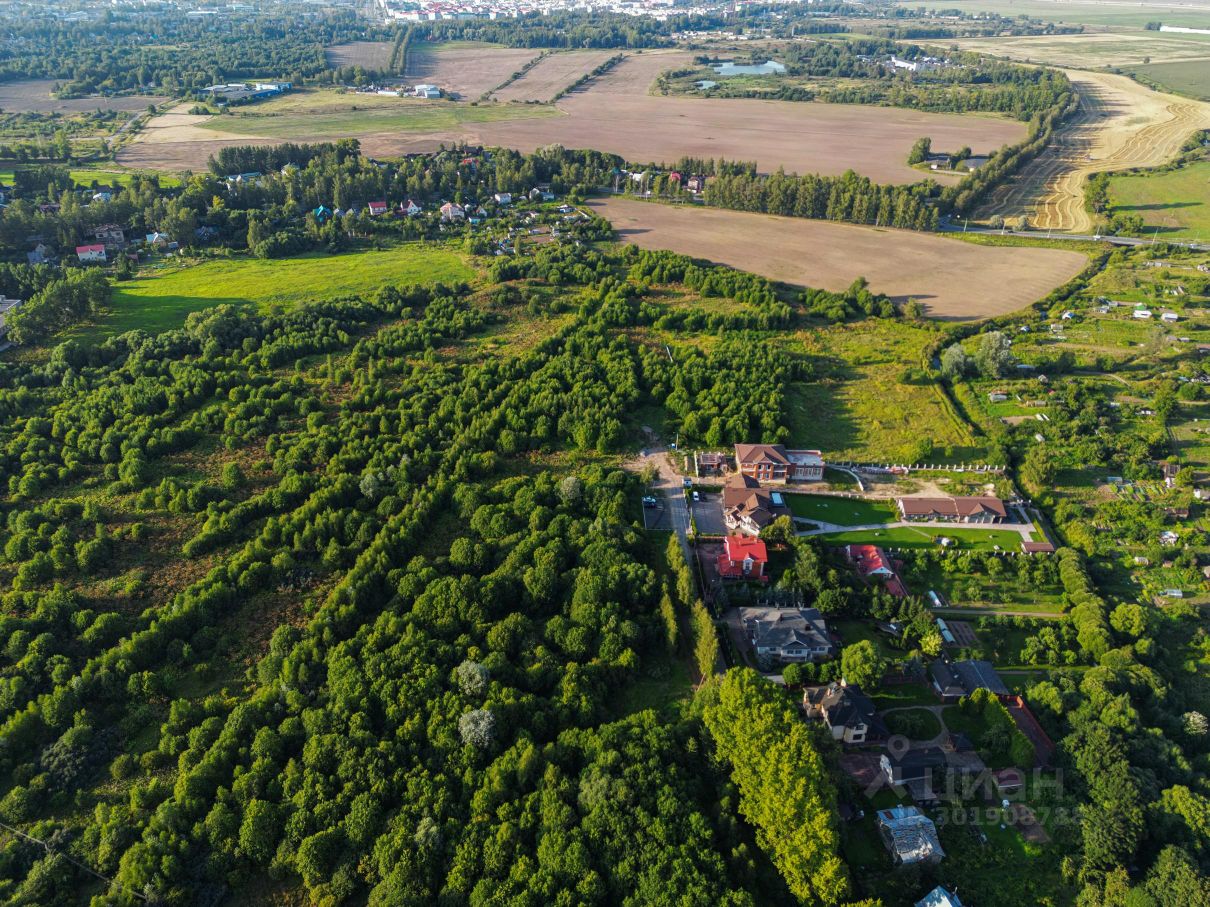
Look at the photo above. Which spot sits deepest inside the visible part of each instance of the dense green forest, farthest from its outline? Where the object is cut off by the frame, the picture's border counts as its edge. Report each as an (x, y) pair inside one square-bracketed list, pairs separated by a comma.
[(351, 600), (856, 71), (439, 708), (134, 52)]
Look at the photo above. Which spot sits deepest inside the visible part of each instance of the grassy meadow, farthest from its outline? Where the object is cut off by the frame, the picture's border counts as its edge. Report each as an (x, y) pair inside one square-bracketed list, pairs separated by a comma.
[(86, 176), (1187, 77), (1176, 201), (1082, 12), (160, 300), (321, 112), (863, 400)]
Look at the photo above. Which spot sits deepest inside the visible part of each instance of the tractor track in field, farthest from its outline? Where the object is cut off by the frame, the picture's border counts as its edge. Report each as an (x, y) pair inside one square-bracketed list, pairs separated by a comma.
[(1119, 125)]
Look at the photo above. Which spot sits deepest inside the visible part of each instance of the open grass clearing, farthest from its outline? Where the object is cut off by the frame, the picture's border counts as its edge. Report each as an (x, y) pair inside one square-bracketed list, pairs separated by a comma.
[(864, 411), (978, 590), (86, 177), (1092, 50), (161, 300), (953, 280), (1098, 12), (1176, 201), (373, 55), (1187, 77), (326, 113)]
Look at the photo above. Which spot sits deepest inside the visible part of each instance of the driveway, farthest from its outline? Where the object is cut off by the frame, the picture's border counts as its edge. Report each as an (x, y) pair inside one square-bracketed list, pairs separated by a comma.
[(668, 483), (708, 514), (674, 514)]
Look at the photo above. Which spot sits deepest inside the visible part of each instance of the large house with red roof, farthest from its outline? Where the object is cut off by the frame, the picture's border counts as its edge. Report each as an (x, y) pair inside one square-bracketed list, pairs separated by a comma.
[(773, 464), (984, 509), (743, 558)]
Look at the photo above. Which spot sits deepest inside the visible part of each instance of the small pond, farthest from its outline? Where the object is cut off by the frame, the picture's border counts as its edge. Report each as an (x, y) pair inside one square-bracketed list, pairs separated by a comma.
[(729, 68)]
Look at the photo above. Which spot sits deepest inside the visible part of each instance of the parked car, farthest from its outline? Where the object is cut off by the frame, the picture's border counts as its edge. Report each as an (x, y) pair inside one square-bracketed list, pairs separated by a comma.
[(696, 497)]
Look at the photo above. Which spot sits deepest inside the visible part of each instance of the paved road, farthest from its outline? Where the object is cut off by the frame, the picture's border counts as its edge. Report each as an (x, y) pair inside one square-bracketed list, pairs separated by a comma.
[(947, 227), (670, 483)]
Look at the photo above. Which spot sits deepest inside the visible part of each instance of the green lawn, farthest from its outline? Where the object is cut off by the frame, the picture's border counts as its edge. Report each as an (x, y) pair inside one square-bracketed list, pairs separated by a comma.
[(327, 113), (1178, 201), (851, 631), (915, 724), (923, 537), (161, 300), (960, 722), (904, 694), (840, 511)]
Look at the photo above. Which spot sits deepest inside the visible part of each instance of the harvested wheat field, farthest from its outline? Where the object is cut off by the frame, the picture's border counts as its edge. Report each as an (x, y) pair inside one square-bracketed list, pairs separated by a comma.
[(467, 71), (616, 113), (33, 96), (952, 279), (1120, 124), (553, 74), (374, 55), (1088, 51), (175, 141)]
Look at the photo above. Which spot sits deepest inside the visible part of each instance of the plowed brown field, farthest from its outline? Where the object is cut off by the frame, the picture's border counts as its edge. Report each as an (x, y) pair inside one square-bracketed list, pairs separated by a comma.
[(617, 113), (952, 279), (553, 74)]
